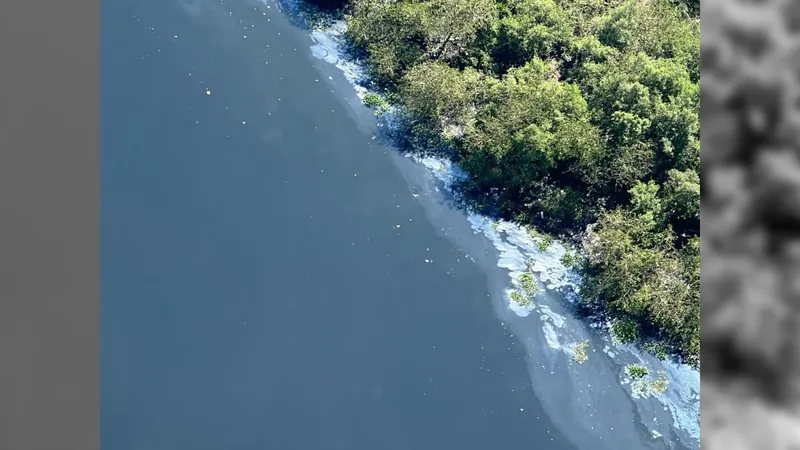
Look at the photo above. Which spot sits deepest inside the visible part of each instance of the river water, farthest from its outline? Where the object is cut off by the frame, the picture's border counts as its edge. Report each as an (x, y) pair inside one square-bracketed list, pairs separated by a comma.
[(276, 277)]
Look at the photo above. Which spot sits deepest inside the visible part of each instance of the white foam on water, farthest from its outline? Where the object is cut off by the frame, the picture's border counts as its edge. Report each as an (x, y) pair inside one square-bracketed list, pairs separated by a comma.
[(683, 396), (522, 311), (519, 253), (327, 45), (557, 319), (550, 336)]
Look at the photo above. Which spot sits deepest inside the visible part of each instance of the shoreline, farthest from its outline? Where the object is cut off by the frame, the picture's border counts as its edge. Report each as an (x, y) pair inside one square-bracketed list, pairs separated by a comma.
[(515, 249)]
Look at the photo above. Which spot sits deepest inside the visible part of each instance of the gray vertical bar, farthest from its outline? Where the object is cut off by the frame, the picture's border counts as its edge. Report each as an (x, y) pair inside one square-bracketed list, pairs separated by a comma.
[(49, 225)]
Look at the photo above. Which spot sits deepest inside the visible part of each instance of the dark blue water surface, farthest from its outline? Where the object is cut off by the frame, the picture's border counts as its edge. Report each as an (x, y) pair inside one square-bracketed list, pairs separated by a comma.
[(257, 291)]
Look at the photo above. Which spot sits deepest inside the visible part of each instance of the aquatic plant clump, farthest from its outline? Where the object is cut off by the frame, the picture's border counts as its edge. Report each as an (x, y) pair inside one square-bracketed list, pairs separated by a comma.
[(640, 387), (660, 384), (568, 260), (642, 384), (544, 242), (533, 233), (636, 371), (580, 352), (520, 299), (376, 102), (528, 283)]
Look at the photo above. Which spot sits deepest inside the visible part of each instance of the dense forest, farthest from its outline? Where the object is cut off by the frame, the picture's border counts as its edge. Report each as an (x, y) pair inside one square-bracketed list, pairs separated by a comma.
[(579, 118)]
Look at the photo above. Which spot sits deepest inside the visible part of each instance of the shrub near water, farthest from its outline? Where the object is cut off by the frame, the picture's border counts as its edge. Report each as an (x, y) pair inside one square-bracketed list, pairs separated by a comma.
[(376, 102), (658, 349), (544, 243), (624, 331)]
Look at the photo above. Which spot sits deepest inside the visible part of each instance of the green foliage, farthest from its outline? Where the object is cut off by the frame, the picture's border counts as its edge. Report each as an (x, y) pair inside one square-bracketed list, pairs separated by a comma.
[(682, 194), (658, 349), (545, 242), (375, 101), (398, 35), (625, 331), (441, 97), (569, 259), (566, 114), (636, 272), (636, 371), (528, 283), (660, 384), (580, 352), (520, 299), (530, 28), (645, 201), (653, 27)]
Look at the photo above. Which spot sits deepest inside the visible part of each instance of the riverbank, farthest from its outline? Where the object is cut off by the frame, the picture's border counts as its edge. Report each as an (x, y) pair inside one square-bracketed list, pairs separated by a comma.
[(554, 306), (542, 136)]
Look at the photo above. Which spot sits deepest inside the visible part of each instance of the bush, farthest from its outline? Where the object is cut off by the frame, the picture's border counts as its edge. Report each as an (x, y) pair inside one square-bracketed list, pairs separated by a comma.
[(545, 241), (375, 101), (568, 260), (625, 331), (657, 349)]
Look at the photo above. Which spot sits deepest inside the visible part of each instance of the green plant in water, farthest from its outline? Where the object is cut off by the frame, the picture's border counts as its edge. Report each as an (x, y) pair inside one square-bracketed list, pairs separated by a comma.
[(545, 241), (636, 371), (528, 283), (657, 349), (581, 352), (568, 260), (640, 387), (375, 101), (532, 232), (660, 384), (520, 299)]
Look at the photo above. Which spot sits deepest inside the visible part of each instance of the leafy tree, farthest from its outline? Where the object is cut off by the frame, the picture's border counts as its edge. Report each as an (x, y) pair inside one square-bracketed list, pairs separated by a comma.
[(635, 271), (453, 25), (653, 27), (532, 28), (682, 195), (441, 97), (645, 201), (398, 35), (391, 35)]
